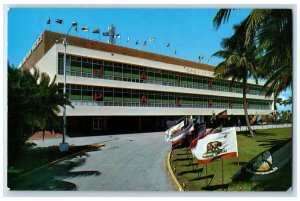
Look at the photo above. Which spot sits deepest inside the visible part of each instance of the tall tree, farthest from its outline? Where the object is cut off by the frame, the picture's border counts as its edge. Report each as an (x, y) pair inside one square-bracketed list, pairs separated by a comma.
[(272, 29), (33, 103), (240, 63)]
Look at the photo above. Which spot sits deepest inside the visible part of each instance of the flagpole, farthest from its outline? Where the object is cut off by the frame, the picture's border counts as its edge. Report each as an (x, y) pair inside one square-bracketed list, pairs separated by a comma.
[(206, 175), (238, 163), (222, 175)]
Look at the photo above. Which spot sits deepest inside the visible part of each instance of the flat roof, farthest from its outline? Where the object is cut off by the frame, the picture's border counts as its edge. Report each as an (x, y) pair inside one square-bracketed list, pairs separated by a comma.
[(48, 38)]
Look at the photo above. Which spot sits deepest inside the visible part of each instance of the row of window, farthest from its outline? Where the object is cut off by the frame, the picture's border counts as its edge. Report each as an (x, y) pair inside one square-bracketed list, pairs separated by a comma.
[(95, 68), (128, 97)]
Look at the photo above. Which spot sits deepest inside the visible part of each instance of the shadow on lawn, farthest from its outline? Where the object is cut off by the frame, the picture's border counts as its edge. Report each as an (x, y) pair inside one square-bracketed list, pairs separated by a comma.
[(271, 142), (51, 178)]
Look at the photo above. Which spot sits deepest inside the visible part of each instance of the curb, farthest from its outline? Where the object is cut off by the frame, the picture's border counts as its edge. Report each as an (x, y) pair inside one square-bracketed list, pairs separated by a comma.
[(93, 146), (177, 184)]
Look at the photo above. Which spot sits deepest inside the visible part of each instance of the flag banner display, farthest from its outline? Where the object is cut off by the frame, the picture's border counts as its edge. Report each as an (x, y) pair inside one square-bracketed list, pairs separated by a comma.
[(217, 145), (117, 36), (173, 131), (128, 40), (176, 139), (59, 21), (268, 164), (85, 28), (49, 21), (137, 42), (172, 123), (145, 43), (222, 114), (96, 31), (168, 45)]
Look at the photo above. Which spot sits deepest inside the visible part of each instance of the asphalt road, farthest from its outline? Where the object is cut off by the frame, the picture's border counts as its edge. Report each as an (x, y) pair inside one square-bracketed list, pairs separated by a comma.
[(130, 162)]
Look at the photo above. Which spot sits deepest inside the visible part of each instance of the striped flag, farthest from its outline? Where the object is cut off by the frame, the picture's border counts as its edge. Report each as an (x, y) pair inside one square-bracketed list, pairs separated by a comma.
[(177, 139), (173, 131), (145, 43), (49, 21), (217, 145)]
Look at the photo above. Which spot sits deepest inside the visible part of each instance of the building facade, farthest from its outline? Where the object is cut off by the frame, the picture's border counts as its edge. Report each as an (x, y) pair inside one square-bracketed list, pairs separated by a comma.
[(120, 89)]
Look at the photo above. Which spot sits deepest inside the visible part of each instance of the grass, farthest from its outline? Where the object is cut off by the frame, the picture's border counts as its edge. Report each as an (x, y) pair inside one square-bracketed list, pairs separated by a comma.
[(193, 176)]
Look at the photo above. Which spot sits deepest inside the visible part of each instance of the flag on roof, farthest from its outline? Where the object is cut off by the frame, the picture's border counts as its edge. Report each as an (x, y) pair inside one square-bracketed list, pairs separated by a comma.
[(128, 40), (117, 36), (217, 145), (49, 21), (106, 33), (59, 21), (96, 31), (222, 114), (168, 45), (76, 28), (137, 42), (175, 52), (173, 131), (85, 28), (145, 43), (152, 39)]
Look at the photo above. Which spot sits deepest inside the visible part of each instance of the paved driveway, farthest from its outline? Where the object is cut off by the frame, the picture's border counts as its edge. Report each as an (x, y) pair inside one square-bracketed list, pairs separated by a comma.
[(131, 162)]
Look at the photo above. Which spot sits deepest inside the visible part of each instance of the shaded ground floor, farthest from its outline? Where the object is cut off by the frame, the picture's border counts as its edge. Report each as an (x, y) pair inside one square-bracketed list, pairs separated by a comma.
[(100, 125)]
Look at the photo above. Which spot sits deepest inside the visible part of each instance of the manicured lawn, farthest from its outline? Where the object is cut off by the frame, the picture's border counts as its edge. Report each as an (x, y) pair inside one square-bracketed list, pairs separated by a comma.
[(194, 176)]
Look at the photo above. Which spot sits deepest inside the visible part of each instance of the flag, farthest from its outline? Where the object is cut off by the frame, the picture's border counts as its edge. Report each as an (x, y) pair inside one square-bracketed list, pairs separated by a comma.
[(173, 123), (49, 21), (137, 42), (253, 120), (193, 144), (76, 28), (128, 40), (176, 139), (85, 28), (152, 39), (201, 129), (145, 43), (173, 131), (59, 21), (117, 36), (96, 31), (217, 145), (222, 114), (168, 45), (106, 34)]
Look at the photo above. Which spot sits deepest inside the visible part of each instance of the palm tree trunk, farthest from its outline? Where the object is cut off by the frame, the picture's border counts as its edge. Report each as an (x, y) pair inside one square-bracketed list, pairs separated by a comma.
[(246, 108)]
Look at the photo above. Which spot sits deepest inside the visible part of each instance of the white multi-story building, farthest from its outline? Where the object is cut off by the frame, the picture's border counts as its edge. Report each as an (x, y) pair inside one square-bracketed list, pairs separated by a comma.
[(120, 89)]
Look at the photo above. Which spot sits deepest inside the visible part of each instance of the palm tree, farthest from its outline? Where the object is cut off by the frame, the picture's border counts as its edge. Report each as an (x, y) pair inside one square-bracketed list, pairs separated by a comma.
[(272, 29), (33, 102), (50, 102), (239, 64)]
